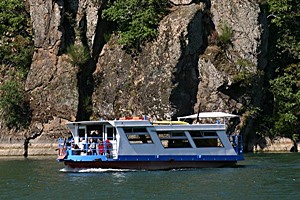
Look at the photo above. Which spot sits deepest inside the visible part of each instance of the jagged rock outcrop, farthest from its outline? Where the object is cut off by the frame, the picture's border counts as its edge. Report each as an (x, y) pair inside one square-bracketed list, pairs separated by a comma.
[(185, 69), (248, 44), (161, 80)]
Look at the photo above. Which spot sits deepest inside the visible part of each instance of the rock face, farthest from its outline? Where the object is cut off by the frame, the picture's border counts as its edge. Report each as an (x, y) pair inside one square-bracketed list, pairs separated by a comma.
[(184, 70)]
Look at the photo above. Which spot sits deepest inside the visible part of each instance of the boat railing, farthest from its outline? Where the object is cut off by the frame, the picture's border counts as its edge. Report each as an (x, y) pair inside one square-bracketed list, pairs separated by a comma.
[(237, 143), (97, 147)]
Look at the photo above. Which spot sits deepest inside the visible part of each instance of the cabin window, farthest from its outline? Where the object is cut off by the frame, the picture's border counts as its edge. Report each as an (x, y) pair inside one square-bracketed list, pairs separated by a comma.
[(206, 139), (111, 133), (135, 130), (171, 139), (81, 133), (203, 134), (138, 135), (139, 138), (95, 130)]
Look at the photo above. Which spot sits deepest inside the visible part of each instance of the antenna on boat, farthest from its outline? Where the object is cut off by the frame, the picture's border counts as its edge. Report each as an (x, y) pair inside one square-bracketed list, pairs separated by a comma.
[(198, 113)]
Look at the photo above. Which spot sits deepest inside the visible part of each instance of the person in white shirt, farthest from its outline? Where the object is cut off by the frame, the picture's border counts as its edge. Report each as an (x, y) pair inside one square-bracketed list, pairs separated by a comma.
[(82, 145)]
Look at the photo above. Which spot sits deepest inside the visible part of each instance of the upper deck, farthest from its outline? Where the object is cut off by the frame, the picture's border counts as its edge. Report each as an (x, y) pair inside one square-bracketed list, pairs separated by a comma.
[(171, 125)]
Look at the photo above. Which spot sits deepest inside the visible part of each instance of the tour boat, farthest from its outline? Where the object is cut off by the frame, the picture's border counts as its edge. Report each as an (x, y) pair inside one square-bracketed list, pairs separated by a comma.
[(139, 143)]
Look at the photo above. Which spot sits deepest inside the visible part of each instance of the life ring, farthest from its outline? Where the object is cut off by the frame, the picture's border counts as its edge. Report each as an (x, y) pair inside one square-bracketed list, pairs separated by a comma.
[(132, 118)]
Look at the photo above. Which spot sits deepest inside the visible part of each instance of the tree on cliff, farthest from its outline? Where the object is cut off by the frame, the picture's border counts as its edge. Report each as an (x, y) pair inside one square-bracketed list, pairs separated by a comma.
[(16, 49), (285, 24)]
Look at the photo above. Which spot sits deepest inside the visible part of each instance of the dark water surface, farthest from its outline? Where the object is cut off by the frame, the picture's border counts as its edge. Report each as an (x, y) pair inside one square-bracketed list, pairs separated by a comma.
[(260, 176)]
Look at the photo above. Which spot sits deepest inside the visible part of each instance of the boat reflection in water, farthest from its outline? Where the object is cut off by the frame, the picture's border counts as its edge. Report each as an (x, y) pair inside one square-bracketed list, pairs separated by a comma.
[(137, 143)]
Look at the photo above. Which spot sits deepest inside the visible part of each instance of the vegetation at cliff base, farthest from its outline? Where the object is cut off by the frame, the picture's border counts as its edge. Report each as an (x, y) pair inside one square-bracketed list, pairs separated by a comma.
[(286, 91), (136, 20), (284, 16)]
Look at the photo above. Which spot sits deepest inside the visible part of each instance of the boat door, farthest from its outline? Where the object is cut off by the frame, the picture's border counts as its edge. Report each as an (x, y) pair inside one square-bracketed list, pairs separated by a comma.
[(80, 132)]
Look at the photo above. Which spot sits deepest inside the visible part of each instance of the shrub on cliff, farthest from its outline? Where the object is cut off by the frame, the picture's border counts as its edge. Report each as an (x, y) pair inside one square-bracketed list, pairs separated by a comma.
[(78, 55), (14, 109), (225, 35), (16, 47), (137, 20)]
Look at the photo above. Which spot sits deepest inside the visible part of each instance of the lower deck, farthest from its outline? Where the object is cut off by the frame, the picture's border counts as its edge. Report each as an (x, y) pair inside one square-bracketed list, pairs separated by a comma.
[(151, 162)]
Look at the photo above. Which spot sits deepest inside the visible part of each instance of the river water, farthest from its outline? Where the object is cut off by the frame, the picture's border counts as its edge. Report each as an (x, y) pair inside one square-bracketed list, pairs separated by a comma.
[(260, 176)]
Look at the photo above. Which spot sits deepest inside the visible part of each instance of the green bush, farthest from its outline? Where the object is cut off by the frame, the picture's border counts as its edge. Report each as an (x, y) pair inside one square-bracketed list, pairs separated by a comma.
[(14, 20), (17, 53), (16, 47), (244, 75), (137, 20), (286, 91)]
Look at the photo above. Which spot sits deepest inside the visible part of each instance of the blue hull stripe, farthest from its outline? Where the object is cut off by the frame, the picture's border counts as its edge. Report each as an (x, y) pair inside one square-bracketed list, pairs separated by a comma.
[(179, 158), (157, 158)]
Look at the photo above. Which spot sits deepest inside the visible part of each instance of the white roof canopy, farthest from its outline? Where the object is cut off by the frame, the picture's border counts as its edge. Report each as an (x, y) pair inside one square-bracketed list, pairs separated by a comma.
[(208, 115)]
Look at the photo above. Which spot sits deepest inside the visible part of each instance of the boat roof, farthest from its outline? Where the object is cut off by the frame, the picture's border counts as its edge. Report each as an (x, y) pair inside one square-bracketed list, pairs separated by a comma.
[(209, 115), (112, 122), (88, 122), (148, 123)]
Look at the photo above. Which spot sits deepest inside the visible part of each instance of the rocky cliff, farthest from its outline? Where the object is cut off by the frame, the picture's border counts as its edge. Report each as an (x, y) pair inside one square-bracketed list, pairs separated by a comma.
[(184, 70)]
